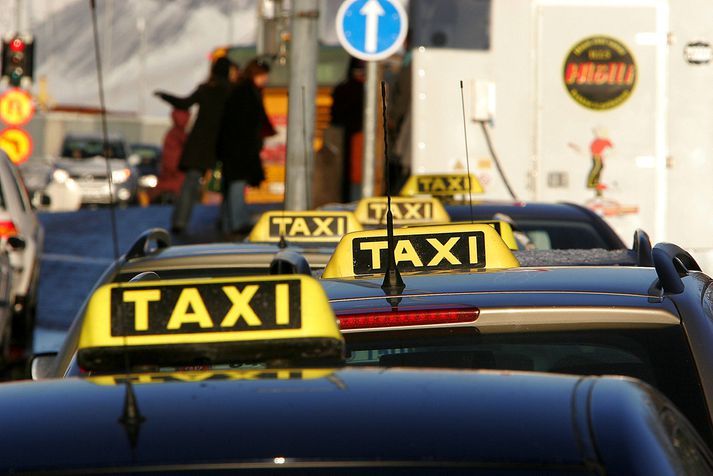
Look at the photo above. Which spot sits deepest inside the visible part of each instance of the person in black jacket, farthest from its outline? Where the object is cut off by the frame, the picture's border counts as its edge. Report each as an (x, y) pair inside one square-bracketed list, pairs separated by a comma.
[(199, 151), (244, 125), (348, 112)]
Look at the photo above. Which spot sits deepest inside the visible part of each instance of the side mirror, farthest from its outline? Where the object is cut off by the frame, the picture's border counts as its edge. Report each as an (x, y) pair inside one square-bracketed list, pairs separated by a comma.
[(41, 365), (41, 200), (16, 243)]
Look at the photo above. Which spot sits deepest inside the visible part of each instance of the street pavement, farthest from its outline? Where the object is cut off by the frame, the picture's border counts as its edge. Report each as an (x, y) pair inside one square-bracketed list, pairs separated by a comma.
[(79, 247)]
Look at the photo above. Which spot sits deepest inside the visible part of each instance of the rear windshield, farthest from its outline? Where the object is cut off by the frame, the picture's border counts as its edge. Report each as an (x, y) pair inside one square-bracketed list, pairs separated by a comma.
[(659, 356), (86, 148)]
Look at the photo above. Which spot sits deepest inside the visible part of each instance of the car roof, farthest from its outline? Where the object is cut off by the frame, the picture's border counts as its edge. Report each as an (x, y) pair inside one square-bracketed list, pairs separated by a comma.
[(522, 418), (92, 136), (519, 210), (221, 255), (601, 280)]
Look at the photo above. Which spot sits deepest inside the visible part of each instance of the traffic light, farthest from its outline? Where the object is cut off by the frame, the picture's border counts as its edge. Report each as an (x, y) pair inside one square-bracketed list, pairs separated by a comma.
[(17, 59)]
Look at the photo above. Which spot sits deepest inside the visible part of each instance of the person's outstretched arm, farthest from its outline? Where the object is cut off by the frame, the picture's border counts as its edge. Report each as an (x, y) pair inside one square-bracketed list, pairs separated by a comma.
[(179, 102)]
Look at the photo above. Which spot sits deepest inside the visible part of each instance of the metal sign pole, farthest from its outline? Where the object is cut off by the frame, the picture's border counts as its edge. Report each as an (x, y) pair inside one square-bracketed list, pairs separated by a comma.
[(301, 104), (369, 128)]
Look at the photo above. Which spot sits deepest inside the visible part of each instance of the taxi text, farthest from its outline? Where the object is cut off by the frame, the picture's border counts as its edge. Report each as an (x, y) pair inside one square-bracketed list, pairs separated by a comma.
[(205, 308)]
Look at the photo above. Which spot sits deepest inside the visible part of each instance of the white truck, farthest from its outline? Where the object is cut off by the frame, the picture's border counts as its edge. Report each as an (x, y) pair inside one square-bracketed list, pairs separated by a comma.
[(601, 102)]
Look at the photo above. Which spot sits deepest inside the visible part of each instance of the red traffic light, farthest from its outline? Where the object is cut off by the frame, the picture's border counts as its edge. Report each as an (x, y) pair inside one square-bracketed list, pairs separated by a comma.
[(17, 45)]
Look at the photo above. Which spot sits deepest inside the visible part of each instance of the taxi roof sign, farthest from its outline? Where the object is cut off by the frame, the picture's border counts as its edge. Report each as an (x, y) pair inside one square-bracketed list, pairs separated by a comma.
[(425, 248), (405, 210), (505, 231), (304, 226), (184, 322), (444, 185)]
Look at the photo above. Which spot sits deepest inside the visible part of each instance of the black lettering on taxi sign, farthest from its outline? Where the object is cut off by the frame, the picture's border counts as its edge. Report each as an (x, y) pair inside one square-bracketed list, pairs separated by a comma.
[(442, 184), (438, 251), (307, 226), (200, 308), (416, 210)]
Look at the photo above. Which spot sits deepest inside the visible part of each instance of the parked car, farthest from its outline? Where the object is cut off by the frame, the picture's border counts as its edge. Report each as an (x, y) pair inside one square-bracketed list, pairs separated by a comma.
[(82, 160), (22, 232)]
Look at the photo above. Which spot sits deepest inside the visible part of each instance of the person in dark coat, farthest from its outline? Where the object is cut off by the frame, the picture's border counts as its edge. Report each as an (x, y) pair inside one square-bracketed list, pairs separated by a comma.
[(170, 178), (348, 112), (244, 126), (199, 151)]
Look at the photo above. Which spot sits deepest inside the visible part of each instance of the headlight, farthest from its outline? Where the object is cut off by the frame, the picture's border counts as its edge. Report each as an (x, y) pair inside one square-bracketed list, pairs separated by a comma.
[(120, 176), (60, 176), (148, 181)]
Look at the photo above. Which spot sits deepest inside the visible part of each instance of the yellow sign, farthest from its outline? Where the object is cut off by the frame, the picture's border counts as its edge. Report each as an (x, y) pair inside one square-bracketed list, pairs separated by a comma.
[(16, 107), (166, 320), (16, 143), (441, 185), (303, 226), (504, 229), (405, 210), (423, 248)]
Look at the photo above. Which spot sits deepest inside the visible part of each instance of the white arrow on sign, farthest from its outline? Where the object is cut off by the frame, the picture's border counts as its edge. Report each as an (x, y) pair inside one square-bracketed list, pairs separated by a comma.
[(372, 10)]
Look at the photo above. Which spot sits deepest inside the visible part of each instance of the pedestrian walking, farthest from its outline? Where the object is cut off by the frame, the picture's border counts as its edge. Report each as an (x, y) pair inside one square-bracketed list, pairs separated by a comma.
[(199, 151), (348, 112), (244, 126), (170, 178)]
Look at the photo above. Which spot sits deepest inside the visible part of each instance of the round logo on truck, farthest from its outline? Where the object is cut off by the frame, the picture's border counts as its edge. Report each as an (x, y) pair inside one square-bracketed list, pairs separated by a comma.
[(600, 73)]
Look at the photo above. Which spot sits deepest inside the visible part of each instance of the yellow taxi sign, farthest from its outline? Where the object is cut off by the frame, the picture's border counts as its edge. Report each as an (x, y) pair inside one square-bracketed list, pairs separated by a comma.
[(441, 185), (181, 321), (424, 248), (304, 226), (405, 210), (505, 231)]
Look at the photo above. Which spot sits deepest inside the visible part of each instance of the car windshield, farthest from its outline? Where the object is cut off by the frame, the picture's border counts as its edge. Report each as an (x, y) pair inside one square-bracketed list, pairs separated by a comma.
[(658, 356), (86, 148)]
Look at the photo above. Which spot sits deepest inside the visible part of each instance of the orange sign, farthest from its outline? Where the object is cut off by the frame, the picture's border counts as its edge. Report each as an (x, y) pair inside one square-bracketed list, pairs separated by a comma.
[(16, 143), (16, 107)]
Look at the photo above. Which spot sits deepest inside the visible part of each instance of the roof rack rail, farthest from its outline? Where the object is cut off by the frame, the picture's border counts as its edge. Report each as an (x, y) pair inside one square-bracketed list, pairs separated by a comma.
[(145, 276), (672, 263), (642, 249), (142, 246), (290, 262)]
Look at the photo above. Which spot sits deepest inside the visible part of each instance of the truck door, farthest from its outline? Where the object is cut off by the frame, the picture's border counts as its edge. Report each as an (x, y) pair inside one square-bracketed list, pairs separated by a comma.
[(600, 119)]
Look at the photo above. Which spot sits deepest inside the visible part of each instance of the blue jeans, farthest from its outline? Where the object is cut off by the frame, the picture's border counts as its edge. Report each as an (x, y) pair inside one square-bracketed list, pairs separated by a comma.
[(235, 214), (190, 194)]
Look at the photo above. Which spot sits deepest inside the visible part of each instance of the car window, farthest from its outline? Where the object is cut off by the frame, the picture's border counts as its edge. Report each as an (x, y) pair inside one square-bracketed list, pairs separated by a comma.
[(86, 148), (660, 356), (21, 189), (561, 235)]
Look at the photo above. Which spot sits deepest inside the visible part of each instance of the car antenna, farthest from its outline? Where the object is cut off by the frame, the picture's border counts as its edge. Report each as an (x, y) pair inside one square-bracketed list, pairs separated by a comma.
[(393, 283), (131, 417), (467, 157)]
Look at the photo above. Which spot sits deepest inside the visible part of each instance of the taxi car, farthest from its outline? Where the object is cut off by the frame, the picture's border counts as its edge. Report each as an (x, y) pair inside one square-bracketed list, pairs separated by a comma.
[(547, 225), (244, 375), (308, 238), (464, 301)]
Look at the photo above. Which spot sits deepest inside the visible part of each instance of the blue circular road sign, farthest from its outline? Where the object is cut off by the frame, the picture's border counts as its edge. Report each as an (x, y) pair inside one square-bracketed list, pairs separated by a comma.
[(371, 29)]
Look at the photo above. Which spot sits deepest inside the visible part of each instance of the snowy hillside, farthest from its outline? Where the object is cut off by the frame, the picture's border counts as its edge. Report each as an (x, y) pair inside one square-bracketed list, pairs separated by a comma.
[(179, 36)]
